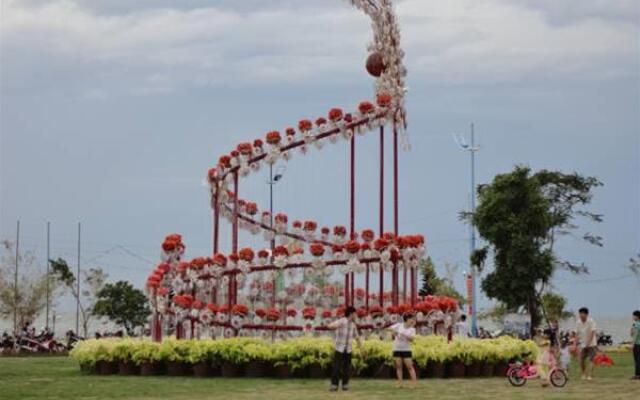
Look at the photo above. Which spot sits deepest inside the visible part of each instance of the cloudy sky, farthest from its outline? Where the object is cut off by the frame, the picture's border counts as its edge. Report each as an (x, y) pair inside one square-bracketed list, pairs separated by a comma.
[(112, 111)]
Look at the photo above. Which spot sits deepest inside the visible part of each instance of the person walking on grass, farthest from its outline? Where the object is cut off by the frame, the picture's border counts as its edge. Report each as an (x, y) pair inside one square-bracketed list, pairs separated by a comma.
[(346, 330), (404, 332), (587, 342), (635, 339)]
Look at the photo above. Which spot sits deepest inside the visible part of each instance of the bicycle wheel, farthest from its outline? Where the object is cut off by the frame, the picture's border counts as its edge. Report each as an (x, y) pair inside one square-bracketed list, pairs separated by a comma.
[(558, 378), (514, 377)]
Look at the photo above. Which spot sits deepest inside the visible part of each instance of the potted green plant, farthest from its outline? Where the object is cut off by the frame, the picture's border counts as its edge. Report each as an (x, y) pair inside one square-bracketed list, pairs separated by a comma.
[(377, 362), (258, 357), (122, 354), (174, 353), (201, 355), (105, 360), (230, 353), (84, 353), (147, 356)]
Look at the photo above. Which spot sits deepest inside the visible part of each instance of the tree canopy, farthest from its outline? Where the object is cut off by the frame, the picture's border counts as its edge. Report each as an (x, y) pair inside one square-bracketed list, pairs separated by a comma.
[(521, 215), (434, 285), (123, 304)]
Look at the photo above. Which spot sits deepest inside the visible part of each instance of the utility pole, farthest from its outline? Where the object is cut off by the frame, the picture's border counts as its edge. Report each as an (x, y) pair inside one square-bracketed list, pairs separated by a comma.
[(48, 273), (474, 315), (15, 281), (472, 149), (78, 286)]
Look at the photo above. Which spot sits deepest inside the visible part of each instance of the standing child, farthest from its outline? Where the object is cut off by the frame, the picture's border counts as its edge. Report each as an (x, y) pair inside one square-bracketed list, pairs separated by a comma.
[(635, 336), (565, 356), (546, 359)]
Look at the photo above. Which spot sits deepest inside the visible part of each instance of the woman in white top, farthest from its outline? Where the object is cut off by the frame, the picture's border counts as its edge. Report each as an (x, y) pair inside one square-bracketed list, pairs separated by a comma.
[(404, 333)]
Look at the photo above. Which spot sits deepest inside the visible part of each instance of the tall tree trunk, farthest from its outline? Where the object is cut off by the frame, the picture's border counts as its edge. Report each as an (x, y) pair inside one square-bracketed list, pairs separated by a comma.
[(534, 312)]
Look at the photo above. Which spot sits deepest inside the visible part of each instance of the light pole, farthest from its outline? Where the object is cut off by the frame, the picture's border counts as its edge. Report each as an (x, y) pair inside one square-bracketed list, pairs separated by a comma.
[(472, 149), (273, 179)]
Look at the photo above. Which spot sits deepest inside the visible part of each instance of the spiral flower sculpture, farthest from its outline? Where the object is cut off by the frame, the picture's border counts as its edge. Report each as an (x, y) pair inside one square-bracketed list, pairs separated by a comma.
[(201, 296)]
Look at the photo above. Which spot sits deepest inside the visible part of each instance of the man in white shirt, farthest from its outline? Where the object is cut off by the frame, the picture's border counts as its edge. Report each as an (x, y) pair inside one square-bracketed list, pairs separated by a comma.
[(462, 328), (587, 341)]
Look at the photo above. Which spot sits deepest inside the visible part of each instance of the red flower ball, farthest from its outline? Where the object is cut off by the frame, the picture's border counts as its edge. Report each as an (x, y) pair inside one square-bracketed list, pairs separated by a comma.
[(245, 148), (365, 107), (316, 249), (335, 114), (352, 246), (339, 230), (246, 254), (273, 138), (305, 125), (384, 99)]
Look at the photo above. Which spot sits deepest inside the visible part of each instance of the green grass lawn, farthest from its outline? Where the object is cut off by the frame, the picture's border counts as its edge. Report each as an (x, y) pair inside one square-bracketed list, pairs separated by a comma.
[(59, 378)]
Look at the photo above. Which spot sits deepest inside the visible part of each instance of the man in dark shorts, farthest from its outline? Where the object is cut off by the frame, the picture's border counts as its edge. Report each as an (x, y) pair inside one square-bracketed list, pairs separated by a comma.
[(587, 342)]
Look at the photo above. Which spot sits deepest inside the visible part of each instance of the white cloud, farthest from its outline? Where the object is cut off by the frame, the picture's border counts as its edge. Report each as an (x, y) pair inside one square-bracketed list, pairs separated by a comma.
[(158, 50)]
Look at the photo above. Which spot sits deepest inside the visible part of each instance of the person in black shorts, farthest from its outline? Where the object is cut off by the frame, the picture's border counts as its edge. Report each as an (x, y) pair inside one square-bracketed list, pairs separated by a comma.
[(404, 332)]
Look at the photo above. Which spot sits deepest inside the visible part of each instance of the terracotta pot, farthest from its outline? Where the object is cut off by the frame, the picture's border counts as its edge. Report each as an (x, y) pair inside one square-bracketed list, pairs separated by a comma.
[(254, 370), (500, 369), (382, 371), (455, 370), (436, 370), (282, 371), (317, 372), (107, 367), (150, 368), (229, 370), (88, 368), (128, 368), (487, 370), (474, 370), (202, 370), (178, 368)]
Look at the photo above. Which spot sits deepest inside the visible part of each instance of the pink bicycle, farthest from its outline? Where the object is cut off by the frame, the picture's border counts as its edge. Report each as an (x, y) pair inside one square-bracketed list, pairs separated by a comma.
[(519, 373)]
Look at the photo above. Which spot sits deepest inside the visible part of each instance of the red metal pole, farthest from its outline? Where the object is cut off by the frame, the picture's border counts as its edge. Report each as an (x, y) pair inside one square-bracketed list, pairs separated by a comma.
[(366, 289), (404, 283), (381, 284), (395, 203), (216, 218), (352, 185), (234, 240), (346, 289), (414, 287), (216, 232)]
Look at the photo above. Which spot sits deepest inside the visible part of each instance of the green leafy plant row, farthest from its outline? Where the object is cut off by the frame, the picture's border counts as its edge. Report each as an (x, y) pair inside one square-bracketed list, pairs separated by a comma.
[(298, 352)]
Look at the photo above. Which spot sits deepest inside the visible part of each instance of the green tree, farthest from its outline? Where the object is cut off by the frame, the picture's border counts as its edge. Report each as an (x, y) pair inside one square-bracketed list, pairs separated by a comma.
[(93, 281), (434, 285), (554, 306), (521, 215), (123, 304)]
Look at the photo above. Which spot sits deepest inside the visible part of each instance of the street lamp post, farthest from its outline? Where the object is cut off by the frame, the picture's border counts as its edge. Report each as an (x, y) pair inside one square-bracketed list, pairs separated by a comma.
[(472, 149), (273, 179)]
